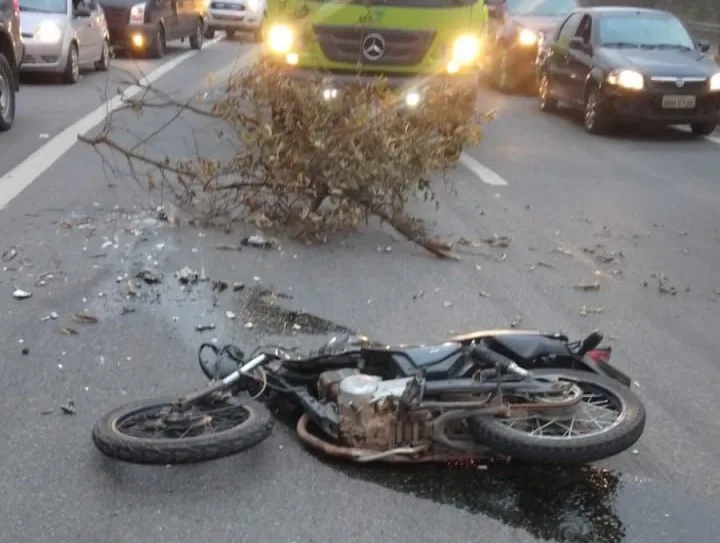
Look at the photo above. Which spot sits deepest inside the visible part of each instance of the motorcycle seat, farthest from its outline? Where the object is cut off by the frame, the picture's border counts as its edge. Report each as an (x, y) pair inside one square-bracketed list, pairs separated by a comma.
[(438, 361)]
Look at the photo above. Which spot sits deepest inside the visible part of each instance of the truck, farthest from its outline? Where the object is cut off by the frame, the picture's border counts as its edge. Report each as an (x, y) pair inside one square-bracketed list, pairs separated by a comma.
[(405, 41)]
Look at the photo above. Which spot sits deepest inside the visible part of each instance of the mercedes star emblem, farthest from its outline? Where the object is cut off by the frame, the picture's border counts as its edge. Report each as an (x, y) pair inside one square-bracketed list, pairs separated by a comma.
[(679, 83), (373, 47)]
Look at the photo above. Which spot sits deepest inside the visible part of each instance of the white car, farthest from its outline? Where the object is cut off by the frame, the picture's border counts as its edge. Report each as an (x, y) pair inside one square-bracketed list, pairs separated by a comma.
[(62, 36), (236, 16)]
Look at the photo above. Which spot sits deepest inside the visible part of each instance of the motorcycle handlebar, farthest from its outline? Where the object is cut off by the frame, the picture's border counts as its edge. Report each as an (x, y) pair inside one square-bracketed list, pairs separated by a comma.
[(589, 343)]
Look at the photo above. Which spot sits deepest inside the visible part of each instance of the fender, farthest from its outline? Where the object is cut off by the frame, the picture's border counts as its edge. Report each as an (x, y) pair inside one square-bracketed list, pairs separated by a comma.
[(596, 76)]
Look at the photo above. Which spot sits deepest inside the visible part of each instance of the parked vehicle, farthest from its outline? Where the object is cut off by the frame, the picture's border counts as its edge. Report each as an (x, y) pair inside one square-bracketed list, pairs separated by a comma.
[(63, 36), (630, 65), (236, 16), (11, 55), (534, 397), (516, 28), (144, 27)]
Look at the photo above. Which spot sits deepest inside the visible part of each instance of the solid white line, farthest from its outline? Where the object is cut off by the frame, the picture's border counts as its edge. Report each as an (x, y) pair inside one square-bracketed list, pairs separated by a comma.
[(22, 175), (485, 174)]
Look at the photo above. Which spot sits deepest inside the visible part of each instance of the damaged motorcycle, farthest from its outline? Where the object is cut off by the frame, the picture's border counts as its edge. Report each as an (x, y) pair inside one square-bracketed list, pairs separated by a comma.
[(518, 394)]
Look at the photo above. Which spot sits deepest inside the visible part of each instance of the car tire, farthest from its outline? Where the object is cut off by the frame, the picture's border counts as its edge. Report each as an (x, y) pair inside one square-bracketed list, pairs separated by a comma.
[(103, 64), (198, 36), (703, 129), (71, 74), (545, 100), (504, 80), (594, 116), (157, 48), (7, 99)]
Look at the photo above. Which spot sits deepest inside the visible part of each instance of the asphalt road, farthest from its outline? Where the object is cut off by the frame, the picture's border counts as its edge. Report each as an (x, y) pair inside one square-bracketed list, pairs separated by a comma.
[(652, 198)]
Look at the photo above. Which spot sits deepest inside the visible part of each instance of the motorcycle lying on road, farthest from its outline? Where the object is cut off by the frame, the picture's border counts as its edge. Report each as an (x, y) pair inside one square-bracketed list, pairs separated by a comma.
[(520, 394)]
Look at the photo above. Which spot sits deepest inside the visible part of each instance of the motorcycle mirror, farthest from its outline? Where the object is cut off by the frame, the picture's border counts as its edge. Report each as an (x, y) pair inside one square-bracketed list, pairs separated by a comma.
[(589, 343)]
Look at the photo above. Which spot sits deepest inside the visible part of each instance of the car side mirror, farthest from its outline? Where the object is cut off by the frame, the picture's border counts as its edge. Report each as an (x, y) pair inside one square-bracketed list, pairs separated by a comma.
[(578, 44), (82, 12), (703, 45)]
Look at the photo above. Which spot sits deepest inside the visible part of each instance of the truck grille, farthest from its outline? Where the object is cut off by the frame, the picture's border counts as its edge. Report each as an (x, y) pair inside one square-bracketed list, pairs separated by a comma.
[(117, 18), (345, 44), (690, 87)]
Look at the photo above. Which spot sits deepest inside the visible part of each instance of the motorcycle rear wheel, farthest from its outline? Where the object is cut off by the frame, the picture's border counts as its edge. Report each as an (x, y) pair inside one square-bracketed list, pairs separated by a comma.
[(497, 434), (253, 423)]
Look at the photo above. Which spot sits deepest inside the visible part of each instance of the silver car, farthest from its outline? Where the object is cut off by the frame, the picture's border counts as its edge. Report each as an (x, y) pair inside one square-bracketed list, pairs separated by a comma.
[(62, 36), (236, 16)]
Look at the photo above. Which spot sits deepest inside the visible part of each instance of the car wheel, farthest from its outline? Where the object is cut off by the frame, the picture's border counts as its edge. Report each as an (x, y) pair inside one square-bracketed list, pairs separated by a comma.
[(157, 49), (545, 99), (209, 33), (504, 77), (103, 64), (595, 118), (196, 40), (703, 129), (7, 94), (71, 75)]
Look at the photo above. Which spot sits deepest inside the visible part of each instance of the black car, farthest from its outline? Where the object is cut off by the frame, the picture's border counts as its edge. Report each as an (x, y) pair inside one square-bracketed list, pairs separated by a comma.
[(11, 55), (630, 64), (145, 26), (515, 30)]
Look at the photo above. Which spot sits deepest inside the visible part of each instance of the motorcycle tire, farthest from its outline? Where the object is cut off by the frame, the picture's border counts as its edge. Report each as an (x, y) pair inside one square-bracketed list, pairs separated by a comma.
[(499, 437), (254, 428)]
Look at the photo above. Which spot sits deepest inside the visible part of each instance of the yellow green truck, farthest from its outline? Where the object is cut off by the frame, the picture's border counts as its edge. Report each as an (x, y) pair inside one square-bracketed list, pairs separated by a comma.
[(402, 40)]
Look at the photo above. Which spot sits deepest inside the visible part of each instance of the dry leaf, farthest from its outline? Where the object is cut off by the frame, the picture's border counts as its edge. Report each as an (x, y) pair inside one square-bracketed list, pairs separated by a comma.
[(84, 319), (588, 286), (68, 331)]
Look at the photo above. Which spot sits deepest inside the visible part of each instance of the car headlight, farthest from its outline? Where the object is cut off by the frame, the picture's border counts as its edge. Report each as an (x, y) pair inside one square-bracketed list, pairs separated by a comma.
[(253, 5), (527, 37), (48, 32), (466, 49), (280, 38), (628, 79), (137, 14), (715, 82)]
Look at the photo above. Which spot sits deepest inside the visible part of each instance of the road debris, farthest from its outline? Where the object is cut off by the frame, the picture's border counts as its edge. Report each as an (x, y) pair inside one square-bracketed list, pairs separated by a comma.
[(230, 315), (540, 264), (204, 327), (496, 241), (588, 287), (9, 254), (484, 294), (249, 325), (150, 277), (52, 316), (447, 304), (515, 321), (224, 247), (82, 318), (219, 285), (590, 310), (187, 276), (562, 251), (20, 294), (25, 351), (418, 295), (68, 331), (237, 287), (257, 241), (68, 408)]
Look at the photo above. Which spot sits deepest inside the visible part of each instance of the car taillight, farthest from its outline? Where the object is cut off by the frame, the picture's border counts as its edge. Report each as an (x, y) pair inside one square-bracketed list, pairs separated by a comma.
[(16, 6), (600, 355)]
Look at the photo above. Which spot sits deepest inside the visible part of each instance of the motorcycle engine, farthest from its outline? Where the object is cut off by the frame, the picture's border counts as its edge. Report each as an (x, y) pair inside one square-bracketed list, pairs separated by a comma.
[(367, 408)]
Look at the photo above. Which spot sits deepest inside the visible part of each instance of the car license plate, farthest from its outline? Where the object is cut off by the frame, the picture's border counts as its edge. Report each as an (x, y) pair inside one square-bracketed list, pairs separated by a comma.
[(678, 101)]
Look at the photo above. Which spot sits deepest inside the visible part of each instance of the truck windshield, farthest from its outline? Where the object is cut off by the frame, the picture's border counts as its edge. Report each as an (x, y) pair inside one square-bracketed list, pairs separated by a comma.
[(44, 6)]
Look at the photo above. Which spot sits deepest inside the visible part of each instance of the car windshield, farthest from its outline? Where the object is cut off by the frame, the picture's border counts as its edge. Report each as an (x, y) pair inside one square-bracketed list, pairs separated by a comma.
[(44, 6), (644, 30), (540, 7)]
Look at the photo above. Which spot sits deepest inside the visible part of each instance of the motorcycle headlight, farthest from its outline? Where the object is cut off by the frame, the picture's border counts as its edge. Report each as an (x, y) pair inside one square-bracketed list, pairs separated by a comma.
[(48, 32), (527, 37), (466, 49), (280, 38), (715, 82), (137, 14), (253, 5), (628, 79)]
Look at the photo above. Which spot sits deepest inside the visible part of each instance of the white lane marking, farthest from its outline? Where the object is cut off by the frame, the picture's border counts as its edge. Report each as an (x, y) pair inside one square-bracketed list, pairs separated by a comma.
[(22, 175), (485, 174)]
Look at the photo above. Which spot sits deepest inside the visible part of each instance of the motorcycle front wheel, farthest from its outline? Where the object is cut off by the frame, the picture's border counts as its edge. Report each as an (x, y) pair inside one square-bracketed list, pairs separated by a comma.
[(608, 420), (151, 432)]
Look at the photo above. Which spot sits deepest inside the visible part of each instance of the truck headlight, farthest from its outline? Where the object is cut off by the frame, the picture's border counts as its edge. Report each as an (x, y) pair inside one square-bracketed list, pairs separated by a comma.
[(465, 49), (715, 82), (628, 79), (48, 32), (280, 38), (527, 37)]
